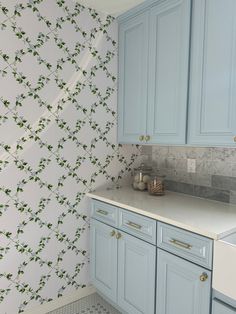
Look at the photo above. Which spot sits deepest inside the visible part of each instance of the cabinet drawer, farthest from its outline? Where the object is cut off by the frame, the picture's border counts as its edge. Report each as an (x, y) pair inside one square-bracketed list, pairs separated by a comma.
[(137, 225), (188, 245), (105, 212), (222, 308)]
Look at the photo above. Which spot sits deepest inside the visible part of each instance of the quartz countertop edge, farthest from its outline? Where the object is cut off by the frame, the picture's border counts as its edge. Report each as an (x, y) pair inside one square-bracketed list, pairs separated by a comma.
[(208, 218)]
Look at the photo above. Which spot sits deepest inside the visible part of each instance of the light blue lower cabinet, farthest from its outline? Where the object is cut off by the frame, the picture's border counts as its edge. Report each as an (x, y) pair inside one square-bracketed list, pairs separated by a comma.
[(128, 272), (104, 259), (182, 287), (136, 275), (123, 269), (222, 308)]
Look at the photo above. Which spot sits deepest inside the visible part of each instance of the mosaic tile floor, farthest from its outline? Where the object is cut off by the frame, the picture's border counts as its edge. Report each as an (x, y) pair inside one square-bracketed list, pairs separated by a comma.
[(92, 304)]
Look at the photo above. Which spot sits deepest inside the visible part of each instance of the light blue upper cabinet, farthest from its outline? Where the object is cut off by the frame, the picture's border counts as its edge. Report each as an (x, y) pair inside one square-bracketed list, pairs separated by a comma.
[(104, 259), (153, 74), (182, 287), (133, 67), (168, 72), (136, 275), (212, 104)]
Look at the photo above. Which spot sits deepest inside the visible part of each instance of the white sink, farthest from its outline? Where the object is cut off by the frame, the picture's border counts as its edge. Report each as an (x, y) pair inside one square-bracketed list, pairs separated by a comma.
[(224, 267)]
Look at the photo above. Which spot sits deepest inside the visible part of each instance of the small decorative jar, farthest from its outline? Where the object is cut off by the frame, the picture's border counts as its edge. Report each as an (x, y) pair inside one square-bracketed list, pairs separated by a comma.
[(141, 177), (156, 185)]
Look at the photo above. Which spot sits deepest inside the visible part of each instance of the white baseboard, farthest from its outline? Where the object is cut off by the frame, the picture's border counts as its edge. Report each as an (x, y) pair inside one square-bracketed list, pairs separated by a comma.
[(55, 304)]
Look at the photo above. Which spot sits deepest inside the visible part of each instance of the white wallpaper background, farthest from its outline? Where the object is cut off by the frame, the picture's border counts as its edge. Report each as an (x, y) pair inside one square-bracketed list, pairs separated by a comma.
[(58, 76)]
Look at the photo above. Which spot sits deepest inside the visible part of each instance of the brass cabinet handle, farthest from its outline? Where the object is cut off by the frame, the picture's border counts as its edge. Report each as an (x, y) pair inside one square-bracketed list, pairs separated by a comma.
[(118, 235), (181, 244), (141, 138), (203, 277), (134, 225), (113, 233), (235, 139), (147, 138), (102, 212)]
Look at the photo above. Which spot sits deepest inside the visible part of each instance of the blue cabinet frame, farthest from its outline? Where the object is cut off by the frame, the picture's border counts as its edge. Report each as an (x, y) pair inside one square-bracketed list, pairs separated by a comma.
[(153, 74), (179, 286), (164, 99), (103, 254), (212, 98), (136, 275)]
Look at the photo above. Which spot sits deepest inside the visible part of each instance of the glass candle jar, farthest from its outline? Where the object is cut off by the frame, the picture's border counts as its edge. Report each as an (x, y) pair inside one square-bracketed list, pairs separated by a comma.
[(141, 177), (156, 185)]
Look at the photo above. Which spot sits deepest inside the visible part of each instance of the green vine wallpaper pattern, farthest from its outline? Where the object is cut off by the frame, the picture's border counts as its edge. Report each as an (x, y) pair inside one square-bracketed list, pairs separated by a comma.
[(58, 81)]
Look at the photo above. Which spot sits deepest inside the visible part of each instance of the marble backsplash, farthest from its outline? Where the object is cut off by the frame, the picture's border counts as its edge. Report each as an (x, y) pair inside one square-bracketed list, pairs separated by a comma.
[(215, 176)]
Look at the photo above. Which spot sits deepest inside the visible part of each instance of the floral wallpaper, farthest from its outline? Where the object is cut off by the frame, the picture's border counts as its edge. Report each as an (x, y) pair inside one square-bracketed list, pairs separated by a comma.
[(58, 81)]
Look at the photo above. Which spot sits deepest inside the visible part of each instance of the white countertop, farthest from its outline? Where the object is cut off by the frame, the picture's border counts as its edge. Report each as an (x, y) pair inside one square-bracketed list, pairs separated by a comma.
[(208, 218)]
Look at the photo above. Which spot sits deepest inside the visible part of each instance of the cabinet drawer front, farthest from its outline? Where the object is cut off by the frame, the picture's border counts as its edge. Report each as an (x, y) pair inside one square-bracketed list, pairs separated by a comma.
[(221, 308), (105, 212), (188, 245), (137, 225)]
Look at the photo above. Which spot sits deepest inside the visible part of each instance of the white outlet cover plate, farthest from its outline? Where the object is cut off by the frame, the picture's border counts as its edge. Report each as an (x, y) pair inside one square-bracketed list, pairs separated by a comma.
[(112, 7), (191, 165)]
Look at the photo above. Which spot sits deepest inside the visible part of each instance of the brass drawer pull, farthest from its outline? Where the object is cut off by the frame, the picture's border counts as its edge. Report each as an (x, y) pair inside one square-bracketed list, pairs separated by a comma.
[(147, 138), (203, 277), (235, 139), (134, 225), (141, 138), (113, 233), (181, 244), (118, 235), (102, 212)]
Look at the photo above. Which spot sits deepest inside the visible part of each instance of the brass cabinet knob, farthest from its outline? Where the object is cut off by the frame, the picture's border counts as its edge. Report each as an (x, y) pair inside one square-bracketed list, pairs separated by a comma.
[(118, 236), (203, 277), (141, 138), (235, 139), (147, 138), (113, 233)]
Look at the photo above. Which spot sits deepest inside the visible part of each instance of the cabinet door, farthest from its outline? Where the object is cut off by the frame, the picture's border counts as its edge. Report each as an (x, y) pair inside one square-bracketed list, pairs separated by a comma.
[(132, 98), (136, 275), (221, 308), (179, 288), (212, 112), (103, 259), (168, 71)]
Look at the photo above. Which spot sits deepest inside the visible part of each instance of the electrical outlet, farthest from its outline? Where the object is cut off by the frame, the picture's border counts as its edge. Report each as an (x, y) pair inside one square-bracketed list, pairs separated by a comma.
[(191, 165)]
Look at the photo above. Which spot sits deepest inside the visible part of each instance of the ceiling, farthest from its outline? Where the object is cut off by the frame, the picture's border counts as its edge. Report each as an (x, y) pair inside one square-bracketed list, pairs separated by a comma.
[(113, 7)]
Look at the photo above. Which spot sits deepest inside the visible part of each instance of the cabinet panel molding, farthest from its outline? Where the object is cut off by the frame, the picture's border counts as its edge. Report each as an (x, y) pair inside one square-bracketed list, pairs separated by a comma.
[(180, 289), (153, 74), (212, 110), (133, 61), (104, 259), (168, 71), (136, 280)]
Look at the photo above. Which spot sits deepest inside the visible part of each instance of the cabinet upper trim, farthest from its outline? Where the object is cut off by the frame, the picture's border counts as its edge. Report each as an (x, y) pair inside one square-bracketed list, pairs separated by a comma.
[(138, 9)]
